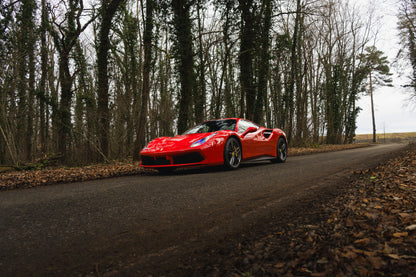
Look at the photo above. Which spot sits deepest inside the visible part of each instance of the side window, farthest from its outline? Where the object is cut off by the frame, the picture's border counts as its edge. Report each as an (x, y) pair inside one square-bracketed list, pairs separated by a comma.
[(244, 125)]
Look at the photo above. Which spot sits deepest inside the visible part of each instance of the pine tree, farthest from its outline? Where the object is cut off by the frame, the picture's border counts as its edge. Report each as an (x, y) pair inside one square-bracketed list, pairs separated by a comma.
[(378, 72)]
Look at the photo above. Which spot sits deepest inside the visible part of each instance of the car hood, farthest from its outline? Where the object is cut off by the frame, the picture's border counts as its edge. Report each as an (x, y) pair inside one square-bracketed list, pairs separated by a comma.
[(178, 143)]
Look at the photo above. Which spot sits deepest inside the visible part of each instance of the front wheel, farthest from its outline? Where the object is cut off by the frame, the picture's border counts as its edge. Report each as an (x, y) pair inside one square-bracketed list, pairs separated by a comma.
[(232, 154), (281, 151)]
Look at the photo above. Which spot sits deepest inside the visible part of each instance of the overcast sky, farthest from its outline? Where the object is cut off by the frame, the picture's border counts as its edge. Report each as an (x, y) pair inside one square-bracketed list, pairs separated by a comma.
[(393, 110)]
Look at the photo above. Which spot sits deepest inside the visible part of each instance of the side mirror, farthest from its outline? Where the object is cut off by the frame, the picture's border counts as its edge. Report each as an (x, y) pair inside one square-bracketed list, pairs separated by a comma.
[(249, 130)]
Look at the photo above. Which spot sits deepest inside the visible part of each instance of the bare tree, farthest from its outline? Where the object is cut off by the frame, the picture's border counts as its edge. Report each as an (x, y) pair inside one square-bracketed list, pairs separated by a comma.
[(407, 28), (65, 33), (147, 42), (185, 62)]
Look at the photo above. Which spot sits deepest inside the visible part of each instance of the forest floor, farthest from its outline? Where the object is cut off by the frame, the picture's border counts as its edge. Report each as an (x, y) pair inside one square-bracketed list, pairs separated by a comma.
[(41, 176), (366, 227)]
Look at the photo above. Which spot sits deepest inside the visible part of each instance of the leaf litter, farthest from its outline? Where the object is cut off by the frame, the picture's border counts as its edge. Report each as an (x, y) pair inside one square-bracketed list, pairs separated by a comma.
[(54, 175), (367, 229)]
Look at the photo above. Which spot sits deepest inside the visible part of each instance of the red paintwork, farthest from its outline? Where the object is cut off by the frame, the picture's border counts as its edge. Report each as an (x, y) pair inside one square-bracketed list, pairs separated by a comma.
[(254, 145)]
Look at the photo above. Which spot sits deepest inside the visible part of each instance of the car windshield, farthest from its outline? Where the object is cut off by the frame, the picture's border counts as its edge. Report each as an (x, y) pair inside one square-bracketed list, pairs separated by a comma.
[(213, 126)]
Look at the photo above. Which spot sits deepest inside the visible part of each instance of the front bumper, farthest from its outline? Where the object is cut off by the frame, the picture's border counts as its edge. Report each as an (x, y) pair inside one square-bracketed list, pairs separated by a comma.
[(181, 159)]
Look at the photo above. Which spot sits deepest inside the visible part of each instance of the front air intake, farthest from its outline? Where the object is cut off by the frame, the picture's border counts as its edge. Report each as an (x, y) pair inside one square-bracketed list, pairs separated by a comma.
[(189, 158)]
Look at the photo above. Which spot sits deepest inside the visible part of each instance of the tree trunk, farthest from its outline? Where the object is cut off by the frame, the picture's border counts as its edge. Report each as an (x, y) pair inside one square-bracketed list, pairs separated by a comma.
[(372, 109), (247, 37), (147, 42), (42, 95), (263, 65), (293, 73), (31, 91), (183, 31), (300, 96), (53, 102), (24, 16), (3, 118), (200, 92), (109, 8), (229, 106), (64, 113)]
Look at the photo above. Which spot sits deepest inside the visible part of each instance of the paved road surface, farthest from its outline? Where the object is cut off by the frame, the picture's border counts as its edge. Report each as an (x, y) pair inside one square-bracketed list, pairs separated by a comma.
[(132, 221)]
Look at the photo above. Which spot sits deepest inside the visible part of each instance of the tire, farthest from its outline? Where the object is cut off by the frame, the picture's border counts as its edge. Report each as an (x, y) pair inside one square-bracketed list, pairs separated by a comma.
[(232, 153), (281, 150)]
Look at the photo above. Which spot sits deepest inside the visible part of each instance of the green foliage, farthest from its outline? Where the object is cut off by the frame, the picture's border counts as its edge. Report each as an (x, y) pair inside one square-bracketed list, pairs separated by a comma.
[(375, 63)]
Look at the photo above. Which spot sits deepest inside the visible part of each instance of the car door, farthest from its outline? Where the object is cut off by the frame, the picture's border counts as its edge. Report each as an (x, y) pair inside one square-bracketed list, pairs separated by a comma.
[(252, 142)]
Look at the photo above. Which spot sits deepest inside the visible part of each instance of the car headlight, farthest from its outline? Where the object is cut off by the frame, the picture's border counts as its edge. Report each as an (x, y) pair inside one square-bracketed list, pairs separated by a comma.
[(202, 141)]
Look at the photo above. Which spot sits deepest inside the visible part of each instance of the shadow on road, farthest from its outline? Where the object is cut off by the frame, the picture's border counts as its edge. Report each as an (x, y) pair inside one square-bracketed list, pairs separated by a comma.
[(209, 169)]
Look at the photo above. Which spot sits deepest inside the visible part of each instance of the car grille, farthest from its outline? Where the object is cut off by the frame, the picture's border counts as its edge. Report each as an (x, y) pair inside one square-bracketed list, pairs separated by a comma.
[(146, 160), (188, 158)]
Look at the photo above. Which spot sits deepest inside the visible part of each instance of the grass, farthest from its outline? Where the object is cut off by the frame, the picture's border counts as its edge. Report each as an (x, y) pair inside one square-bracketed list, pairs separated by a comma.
[(380, 136), (299, 151)]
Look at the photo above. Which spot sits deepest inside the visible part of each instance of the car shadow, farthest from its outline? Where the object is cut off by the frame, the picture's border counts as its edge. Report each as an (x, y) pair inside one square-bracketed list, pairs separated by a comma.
[(211, 169)]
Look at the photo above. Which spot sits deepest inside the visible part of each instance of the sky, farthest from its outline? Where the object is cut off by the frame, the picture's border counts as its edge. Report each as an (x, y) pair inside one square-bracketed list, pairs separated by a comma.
[(394, 112)]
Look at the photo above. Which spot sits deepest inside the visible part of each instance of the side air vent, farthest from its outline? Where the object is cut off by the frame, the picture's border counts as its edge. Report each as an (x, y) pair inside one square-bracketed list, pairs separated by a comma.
[(267, 133)]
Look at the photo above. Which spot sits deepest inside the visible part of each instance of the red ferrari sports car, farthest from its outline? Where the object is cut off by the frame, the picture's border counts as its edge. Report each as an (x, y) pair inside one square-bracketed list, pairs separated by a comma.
[(225, 142)]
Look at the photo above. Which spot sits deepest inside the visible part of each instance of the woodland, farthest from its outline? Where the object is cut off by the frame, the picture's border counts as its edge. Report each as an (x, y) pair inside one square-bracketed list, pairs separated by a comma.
[(95, 80)]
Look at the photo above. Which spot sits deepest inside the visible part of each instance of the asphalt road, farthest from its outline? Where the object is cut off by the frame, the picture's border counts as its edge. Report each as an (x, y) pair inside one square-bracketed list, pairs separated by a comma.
[(139, 221)]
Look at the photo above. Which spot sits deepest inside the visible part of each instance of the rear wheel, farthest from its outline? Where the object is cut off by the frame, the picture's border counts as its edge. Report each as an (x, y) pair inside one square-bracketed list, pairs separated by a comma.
[(281, 151), (232, 153)]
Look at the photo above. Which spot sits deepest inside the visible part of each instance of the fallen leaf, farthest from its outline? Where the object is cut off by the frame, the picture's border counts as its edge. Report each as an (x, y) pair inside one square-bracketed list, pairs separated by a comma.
[(411, 227), (370, 253), (394, 256), (349, 255), (363, 271), (359, 235), (399, 235), (349, 222), (376, 262), (387, 249), (279, 265), (317, 274), (362, 242), (404, 214), (322, 261)]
